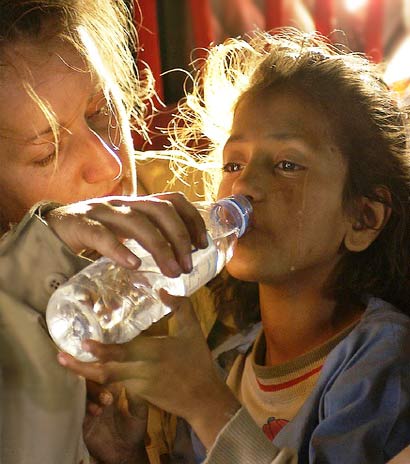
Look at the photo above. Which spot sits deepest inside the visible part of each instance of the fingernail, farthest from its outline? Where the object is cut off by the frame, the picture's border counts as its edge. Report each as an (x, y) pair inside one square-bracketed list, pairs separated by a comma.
[(86, 346), (187, 263), (133, 260), (174, 267), (61, 359)]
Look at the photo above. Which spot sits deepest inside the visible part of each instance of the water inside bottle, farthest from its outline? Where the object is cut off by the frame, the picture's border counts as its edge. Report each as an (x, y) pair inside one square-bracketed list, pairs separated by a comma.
[(121, 307), (111, 304)]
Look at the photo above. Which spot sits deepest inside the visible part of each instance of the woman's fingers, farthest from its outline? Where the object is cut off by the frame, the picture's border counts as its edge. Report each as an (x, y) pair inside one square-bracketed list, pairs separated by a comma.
[(156, 226), (168, 226), (165, 225), (192, 219), (80, 233), (98, 237)]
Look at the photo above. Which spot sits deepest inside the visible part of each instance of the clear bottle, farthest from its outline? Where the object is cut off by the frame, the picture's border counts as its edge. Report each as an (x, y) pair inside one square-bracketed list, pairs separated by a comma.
[(112, 304)]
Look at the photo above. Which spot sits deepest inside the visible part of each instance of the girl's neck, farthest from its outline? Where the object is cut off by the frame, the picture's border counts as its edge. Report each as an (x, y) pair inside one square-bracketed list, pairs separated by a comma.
[(296, 321)]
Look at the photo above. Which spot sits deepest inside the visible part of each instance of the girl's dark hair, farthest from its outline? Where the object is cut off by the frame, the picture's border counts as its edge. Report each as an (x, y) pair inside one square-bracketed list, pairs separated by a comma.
[(369, 128)]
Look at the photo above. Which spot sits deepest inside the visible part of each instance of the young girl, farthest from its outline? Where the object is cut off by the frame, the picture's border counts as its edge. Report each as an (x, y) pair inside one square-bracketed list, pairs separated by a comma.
[(67, 90), (314, 138)]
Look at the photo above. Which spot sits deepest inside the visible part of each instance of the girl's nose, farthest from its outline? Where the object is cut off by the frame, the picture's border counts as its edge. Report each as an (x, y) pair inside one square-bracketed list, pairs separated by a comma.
[(251, 182), (102, 162)]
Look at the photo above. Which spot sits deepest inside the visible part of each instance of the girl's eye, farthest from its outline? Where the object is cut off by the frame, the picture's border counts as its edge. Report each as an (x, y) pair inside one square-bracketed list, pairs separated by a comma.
[(232, 167), (46, 160), (289, 166)]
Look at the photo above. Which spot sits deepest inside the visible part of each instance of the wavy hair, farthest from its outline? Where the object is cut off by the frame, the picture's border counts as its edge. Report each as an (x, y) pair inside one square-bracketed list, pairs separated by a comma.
[(106, 24), (369, 128)]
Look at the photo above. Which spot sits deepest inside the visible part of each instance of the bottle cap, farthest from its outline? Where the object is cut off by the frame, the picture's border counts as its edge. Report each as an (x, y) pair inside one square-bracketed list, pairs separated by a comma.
[(244, 208)]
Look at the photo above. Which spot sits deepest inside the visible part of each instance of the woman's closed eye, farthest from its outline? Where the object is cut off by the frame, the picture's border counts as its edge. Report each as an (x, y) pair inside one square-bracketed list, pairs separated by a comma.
[(43, 162), (49, 155)]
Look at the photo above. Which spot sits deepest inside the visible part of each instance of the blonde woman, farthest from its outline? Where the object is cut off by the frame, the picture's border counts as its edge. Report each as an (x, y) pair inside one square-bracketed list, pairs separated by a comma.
[(68, 90)]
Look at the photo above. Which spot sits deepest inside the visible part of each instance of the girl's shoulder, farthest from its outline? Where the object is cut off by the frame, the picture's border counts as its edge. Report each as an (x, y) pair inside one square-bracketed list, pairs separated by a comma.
[(383, 318), (381, 336)]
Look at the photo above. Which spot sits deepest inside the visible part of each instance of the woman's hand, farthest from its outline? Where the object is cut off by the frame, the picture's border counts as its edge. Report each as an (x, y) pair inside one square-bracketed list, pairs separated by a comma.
[(167, 225), (175, 372)]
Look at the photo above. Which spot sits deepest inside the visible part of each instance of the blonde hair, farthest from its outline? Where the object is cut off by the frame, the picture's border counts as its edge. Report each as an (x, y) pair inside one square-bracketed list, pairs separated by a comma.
[(263, 60), (368, 126), (102, 28)]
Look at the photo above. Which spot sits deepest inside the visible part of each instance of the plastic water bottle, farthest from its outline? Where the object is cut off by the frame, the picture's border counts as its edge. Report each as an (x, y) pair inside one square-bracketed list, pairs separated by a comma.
[(112, 304)]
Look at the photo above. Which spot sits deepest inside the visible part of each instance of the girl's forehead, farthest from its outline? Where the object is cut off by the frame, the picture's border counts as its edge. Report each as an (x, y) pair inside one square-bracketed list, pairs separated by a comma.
[(285, 116), (287, 109)]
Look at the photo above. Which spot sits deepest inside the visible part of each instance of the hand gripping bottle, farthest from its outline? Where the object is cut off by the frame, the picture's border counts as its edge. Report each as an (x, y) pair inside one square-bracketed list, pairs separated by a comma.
[(112, 304)]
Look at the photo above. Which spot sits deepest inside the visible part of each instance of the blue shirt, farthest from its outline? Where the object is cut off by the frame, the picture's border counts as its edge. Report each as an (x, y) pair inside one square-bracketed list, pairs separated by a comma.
[(359, 411)]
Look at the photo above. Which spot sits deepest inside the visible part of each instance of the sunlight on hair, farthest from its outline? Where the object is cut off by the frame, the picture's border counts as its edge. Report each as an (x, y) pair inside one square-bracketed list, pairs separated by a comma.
[(255, 63), (110, 88), (48, 114)]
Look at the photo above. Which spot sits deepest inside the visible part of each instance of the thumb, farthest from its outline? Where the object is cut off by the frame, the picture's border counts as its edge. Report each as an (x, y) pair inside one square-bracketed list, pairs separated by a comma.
[(184, 321)]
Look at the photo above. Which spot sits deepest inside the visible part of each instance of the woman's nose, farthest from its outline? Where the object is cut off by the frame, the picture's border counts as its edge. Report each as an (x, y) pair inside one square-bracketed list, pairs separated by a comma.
[(102, 162)]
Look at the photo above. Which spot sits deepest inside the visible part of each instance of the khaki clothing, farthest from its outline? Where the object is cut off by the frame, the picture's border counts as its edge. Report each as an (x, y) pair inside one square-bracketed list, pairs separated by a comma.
[(42, 404)]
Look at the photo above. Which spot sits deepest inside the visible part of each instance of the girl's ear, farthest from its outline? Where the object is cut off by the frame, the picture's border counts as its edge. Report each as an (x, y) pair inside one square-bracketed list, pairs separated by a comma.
[(371, 217)]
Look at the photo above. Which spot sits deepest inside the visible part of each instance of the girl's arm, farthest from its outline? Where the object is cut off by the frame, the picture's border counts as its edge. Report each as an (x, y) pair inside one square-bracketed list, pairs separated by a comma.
[(177, 374)]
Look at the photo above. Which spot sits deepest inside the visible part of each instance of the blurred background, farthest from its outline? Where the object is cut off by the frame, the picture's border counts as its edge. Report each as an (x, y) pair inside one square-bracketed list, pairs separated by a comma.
[(173, 32)]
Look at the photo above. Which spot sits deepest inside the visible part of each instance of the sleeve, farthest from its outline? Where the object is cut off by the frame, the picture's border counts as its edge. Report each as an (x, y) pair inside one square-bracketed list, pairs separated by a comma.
[(241, 441), (42, 404), (34, 261), (365, 414)]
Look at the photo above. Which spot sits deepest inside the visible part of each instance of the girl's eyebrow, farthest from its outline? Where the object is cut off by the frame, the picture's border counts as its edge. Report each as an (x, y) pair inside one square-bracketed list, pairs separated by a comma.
[(272, 135), (63, 128)]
